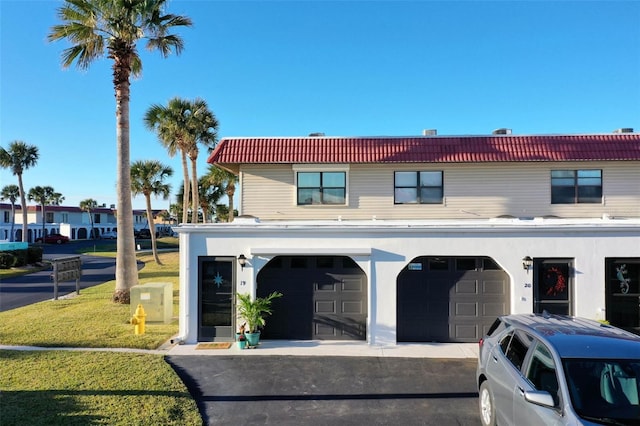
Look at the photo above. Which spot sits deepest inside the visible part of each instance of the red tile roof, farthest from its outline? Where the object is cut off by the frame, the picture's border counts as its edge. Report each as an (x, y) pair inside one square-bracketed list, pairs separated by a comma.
[(426, 149)]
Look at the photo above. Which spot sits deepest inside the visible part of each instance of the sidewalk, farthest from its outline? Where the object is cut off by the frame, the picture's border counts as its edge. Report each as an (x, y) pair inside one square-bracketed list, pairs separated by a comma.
[(337, 348), (299, 348)]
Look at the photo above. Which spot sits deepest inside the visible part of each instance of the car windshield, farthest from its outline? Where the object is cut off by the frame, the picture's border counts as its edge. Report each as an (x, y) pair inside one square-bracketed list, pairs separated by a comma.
[(604, 390)]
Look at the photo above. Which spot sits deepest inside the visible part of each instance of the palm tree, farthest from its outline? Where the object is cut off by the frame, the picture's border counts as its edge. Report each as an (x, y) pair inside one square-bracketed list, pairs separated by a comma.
[(208, 196), (19, 157), (112, 28), (88, 206), (226, 180), (11, 193), (180, 126), (147, 178), (204, 130), (43, 195)]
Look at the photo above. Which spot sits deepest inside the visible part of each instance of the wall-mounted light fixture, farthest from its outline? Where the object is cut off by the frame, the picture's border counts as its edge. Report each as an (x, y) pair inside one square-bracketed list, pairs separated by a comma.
[(527, 262), (242, 260)]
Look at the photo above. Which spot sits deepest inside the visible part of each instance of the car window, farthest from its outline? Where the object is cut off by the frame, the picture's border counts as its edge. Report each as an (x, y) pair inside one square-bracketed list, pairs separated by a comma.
[(504, 342), (542, 372), (518, 346), (497, 327)]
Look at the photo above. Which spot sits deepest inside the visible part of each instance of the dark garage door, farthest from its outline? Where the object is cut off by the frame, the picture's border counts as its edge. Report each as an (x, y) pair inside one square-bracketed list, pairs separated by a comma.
[(324, 298), (450, 299)]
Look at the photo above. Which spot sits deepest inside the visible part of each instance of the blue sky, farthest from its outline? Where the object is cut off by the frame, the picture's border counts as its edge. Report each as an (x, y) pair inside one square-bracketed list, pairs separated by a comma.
[(345, 68)]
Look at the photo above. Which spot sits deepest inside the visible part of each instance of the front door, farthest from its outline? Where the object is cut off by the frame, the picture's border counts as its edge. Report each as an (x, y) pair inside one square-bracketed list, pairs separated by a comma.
[(216, 289), (553, 286), (623, 293)]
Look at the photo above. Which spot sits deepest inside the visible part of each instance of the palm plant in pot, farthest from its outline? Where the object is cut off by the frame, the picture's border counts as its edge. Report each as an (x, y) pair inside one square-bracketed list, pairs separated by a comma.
[(254, 312)]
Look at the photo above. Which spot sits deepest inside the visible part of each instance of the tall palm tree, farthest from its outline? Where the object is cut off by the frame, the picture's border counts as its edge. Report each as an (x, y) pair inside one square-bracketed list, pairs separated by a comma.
[(181, 126), (112, 28), (43, 195), (204, 130), (88, 206), (208, 196), (11, 193), (147, 178), (19, 157), (226, 180)]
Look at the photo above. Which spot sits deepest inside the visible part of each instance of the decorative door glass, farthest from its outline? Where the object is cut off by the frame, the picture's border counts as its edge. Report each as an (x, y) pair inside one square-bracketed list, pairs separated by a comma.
[(216, 297), (552, 286), (623, 293)]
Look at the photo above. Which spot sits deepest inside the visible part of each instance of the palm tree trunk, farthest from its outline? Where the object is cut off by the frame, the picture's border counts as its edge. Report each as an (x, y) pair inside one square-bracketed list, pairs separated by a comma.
[(12, 237), (152, 230), (230, 193), (23, 204), (195, 201), (126, 267), (185, 195), (43, 224)]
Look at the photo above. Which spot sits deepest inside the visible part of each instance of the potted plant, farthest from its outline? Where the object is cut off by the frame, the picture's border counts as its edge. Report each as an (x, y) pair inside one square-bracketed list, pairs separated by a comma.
[(254, 312)]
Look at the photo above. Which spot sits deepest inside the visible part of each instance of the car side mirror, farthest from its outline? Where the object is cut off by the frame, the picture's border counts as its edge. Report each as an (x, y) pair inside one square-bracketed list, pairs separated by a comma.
[(542, 398)]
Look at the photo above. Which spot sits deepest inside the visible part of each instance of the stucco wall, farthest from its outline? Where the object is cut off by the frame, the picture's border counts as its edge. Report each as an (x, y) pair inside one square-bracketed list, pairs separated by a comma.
[(383, 248)]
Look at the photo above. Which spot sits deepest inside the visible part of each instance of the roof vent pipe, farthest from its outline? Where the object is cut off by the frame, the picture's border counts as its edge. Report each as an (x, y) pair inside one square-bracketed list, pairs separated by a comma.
[(316, 134), (501, 131), (430, 132), (624, 130)]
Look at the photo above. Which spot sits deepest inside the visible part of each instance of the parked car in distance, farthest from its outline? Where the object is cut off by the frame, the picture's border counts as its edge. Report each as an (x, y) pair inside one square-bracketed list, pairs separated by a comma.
[(110, 235), (541, 369), (144, 234), (53, 239)]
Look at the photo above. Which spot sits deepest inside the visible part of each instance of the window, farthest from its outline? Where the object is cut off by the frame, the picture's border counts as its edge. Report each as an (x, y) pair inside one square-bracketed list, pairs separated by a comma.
[(96, 218), (418, 188), (542, 372), (576, 186), (7, 217), (49, 217), (516, 348), (321, 188)]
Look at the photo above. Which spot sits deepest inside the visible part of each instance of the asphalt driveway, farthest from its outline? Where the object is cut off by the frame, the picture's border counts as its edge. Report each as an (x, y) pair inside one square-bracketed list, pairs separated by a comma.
[(314, 390)]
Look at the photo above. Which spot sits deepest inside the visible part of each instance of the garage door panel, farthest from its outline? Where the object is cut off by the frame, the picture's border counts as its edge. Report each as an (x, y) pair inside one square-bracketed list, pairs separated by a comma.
[(353, 307), (466, 287), (325, 307), (466, 309), (493, 287)]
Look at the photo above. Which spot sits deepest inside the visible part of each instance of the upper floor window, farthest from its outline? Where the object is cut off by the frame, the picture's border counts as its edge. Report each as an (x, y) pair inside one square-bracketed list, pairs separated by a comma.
[(418, 188), (576, 186), (7, 217), (321, 188), (49, 217)]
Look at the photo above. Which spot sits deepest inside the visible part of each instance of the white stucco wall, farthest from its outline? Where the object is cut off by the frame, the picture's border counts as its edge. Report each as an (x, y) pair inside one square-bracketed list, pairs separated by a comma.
[(383, 248)]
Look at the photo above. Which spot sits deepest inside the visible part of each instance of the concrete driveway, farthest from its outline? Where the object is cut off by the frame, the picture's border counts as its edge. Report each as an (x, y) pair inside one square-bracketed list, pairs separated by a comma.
[(331, 390)]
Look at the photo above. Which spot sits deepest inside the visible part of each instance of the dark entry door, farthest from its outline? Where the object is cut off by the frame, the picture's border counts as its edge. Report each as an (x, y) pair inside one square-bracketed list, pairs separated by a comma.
[(552, 286), (623, 293), (216, 290)]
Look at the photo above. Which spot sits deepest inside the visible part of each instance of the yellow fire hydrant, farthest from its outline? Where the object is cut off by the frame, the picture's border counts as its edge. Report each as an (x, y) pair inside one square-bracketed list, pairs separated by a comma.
[(138, 319)]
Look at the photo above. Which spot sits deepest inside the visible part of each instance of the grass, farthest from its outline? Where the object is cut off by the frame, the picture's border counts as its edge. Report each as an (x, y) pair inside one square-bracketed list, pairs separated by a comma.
[(92, 387)]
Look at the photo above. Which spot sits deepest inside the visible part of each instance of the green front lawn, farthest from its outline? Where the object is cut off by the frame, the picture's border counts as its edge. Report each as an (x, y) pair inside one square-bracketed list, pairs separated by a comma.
[(70, 387)]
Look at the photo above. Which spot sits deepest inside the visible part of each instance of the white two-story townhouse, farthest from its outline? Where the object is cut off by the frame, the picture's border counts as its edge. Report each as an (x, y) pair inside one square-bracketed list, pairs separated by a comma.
[(418, 239), (67, 220)]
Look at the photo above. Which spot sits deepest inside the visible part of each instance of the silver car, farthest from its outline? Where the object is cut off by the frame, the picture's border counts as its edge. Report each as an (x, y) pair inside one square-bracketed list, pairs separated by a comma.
[(558, 370)]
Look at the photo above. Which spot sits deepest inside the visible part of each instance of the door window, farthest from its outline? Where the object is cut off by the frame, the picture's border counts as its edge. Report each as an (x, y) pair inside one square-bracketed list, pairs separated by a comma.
[(542, 372)]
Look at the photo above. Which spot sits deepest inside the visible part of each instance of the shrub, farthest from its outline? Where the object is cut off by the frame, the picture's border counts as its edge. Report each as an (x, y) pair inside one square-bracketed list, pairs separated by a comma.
[(21, 257), (34, 254), (7, 260)]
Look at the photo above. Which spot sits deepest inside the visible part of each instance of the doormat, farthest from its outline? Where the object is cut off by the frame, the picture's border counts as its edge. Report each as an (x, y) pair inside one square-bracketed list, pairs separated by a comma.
[(214, 345)]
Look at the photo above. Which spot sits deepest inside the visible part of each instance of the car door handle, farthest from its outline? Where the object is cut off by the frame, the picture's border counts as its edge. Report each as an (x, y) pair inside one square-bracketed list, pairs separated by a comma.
[(495, 358), (520, 391)]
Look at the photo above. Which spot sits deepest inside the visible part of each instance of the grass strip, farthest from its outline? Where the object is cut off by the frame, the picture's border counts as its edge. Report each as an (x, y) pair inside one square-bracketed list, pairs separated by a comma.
[(92, 388)]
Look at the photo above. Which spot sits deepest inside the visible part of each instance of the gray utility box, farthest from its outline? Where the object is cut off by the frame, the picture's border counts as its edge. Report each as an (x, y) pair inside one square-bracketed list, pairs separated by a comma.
[(156, 299)]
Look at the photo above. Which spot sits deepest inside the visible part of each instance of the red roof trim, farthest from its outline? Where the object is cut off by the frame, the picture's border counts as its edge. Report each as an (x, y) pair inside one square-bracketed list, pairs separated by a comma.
[(430, 149)]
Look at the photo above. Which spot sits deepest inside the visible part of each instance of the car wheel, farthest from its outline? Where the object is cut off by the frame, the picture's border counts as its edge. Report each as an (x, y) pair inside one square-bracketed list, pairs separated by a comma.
[(58, 241), (487, 407)]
